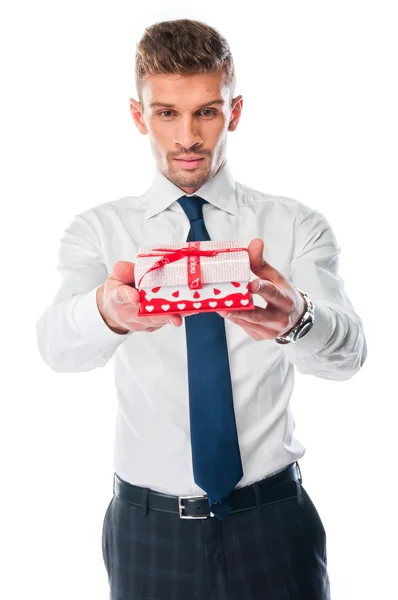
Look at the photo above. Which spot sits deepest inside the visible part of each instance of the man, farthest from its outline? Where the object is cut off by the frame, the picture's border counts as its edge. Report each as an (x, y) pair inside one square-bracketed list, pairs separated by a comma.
[(208, 499)]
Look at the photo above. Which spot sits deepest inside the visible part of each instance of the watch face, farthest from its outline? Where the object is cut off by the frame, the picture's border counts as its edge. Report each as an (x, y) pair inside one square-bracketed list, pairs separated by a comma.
[(302, 332)]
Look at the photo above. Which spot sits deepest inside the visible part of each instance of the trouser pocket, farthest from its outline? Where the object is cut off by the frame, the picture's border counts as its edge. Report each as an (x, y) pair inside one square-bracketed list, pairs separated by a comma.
[(104, 531), (312, 524)]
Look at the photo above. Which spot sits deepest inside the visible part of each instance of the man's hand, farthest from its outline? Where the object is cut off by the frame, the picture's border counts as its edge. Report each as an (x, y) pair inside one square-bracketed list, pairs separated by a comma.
[(285, 305), (118, 303)]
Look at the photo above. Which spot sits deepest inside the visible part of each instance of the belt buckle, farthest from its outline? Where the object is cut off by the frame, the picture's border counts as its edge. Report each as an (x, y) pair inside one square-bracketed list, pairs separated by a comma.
[(181, 507)]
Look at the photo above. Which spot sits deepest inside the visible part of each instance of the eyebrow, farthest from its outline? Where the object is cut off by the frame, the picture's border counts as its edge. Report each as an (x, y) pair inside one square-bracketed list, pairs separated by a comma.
[(164, 104)]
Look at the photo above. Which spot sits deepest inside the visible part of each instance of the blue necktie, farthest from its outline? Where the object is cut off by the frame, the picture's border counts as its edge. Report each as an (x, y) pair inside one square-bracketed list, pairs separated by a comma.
[(216, 460)]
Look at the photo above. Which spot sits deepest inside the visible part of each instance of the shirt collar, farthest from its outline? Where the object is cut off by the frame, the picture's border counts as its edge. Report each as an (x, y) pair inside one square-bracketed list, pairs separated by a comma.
[(219, 191)]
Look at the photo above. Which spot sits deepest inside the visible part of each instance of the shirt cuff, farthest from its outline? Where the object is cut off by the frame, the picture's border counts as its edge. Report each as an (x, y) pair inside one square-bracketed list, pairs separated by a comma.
[(91, 326), (318, 336)]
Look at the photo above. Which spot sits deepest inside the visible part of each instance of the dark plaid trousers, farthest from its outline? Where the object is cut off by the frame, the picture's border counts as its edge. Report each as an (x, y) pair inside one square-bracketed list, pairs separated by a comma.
[(274, 552)]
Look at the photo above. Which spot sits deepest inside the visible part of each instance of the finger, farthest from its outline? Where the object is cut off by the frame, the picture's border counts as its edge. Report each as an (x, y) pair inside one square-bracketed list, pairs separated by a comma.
[(153, 321), (125, 294), (150, 329), (253, 334), (260, 267), (256, 331), (270, 317), (256, 315), (176, 320), (272, 294), (228, 314), (128, 299)]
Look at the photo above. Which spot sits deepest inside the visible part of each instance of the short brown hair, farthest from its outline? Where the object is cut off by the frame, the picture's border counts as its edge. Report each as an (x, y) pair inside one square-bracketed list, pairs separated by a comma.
[(182, 46)]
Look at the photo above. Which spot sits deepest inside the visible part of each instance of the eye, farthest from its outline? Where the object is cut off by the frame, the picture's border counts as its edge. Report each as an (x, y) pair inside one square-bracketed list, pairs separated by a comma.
[(209, 110), (165, 111)]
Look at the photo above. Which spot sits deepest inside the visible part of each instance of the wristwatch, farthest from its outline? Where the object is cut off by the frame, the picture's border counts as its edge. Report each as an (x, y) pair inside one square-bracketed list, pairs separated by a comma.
[(303, 326)]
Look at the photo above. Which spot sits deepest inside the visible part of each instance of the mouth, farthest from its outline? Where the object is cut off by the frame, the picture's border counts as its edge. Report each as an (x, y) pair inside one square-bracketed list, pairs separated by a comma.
[(189, 163)]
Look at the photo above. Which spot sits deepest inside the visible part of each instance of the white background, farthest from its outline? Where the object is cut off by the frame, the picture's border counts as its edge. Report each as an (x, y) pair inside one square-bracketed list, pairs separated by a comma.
[(319, 124)]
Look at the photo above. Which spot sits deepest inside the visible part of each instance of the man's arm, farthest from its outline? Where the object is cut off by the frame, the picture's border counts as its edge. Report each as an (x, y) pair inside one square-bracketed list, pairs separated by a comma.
[(71, 333), (335, 348)]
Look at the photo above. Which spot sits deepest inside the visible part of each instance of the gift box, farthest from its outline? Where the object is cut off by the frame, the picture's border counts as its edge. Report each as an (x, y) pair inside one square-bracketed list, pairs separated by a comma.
[(196, 276)]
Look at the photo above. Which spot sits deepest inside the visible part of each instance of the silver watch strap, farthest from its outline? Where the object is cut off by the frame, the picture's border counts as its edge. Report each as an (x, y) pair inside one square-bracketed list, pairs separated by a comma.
[(305, 322)]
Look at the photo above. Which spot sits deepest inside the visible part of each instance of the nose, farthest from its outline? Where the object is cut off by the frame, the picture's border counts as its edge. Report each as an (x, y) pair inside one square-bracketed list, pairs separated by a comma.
[(187, 134)]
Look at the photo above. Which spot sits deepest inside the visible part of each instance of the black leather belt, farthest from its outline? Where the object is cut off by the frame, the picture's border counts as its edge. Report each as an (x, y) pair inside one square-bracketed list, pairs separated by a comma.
[(278, 487)]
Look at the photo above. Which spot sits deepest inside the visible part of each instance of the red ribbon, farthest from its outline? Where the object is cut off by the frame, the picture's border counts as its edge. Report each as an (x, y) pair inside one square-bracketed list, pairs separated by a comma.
[(189, 251)]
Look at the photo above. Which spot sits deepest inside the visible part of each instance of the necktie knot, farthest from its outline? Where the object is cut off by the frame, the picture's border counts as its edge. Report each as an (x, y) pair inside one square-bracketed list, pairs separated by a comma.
[(192, 206)]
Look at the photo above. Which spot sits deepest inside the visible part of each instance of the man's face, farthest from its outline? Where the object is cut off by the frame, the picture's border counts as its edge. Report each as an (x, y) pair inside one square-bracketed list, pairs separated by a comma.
[(183, 120)]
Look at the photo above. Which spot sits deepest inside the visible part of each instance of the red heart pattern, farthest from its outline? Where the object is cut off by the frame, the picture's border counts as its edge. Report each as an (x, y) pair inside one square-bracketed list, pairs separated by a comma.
[(164, 307)]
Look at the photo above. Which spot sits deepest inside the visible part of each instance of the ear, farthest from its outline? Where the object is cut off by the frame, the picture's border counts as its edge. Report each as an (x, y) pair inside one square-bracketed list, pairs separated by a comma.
[(136, 113), (237, 105)]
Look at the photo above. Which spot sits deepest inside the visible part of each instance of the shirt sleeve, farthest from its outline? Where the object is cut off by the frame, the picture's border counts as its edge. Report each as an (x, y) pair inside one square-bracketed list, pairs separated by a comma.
[(71, 333), (335, 347)]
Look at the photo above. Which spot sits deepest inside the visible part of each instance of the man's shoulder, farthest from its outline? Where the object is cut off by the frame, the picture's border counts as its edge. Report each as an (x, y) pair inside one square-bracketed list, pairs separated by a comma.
[(113, 208), (248, 195)]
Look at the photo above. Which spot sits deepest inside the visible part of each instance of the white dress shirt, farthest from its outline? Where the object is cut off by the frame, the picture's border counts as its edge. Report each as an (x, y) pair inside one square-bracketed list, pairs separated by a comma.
[(152, 434)]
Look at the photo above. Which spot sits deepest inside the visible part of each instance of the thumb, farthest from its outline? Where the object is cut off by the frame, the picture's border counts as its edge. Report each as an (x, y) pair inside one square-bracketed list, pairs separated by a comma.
[(120, 283), (260, 267), (255, 251), (123, 272)]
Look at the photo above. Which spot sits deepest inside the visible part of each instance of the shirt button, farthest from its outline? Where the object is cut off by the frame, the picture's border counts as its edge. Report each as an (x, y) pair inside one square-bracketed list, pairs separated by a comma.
[(104, 354)]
